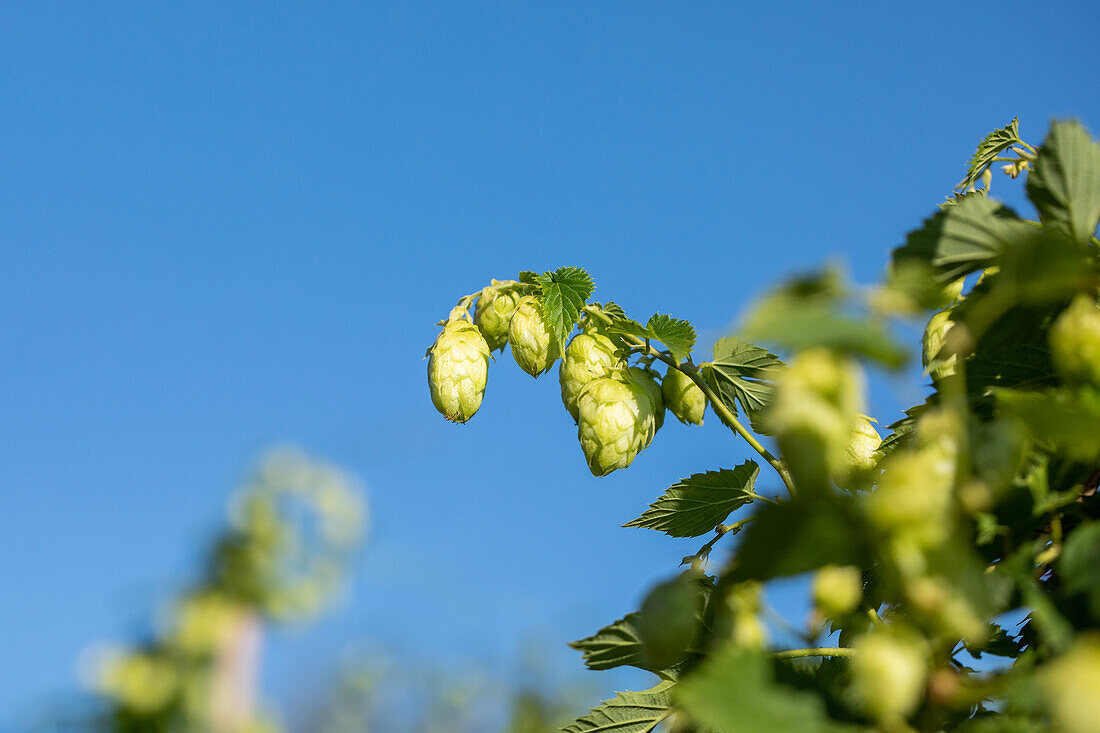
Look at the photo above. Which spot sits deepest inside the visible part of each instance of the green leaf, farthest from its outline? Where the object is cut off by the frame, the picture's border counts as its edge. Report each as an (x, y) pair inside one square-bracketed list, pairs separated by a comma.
[(629, 327), (989, 148), (677, 335), (1044, 266), (613, 309), (735, 692), (960, 195), (526, 276), (615, 645), (1079, 565), (672, 623), (743, 371), (963, 238), (1066, 419), (1065, 182), (628, 712), (901, 429), (797, 536), (808, 314), (1056, 631), (564, 293), (697, 504)]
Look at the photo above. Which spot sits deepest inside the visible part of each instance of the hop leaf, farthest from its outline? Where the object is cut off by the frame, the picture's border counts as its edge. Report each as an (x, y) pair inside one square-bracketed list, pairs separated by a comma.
[(989, 148), (676, 334), (564, 293)]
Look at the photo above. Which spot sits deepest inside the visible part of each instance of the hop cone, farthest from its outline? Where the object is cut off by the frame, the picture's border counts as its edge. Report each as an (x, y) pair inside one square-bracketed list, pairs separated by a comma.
[(458, 367), (653, 390), (494, 314), (1075, 341), (532, 346), (589, 356), (616, 420), (683, 397), (935, 334)]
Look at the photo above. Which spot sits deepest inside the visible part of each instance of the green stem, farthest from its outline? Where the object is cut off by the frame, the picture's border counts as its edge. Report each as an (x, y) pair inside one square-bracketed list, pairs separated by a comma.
[(821, 651)]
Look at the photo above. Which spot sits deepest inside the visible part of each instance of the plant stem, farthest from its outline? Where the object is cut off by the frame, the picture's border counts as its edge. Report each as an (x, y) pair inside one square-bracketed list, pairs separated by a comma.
[(719, 532), (821, 651)]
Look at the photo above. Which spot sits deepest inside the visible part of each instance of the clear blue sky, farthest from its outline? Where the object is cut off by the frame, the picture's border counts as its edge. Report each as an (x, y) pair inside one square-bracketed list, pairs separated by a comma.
[(227, 226)]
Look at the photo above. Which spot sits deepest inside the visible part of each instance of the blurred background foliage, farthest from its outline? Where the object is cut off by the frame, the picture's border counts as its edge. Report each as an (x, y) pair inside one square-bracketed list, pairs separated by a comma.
[(281, 561)]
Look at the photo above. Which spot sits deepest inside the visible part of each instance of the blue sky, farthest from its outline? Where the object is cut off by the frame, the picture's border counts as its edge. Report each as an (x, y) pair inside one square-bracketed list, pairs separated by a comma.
[(231, 226)]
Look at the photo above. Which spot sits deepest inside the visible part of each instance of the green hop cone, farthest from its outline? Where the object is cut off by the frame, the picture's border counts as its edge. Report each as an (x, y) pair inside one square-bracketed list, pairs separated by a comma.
[(1069, 685), (888, 675), (817, 405), (1075, 342), (615, 421), (860, 457), (652, 388), (837, 589), (532, 345), (493, 315), (458, 368), (912, 503), (935, 334), (589, 356), (683, 397)]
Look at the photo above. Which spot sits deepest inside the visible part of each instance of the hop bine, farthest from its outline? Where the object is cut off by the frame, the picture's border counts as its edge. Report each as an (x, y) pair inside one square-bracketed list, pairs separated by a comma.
[(458, 368)]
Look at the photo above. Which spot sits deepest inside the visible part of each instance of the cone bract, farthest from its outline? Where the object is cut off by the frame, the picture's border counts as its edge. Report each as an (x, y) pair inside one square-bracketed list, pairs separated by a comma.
[(683, 397), (589, 356), (532, 345), (458, 368), (493, 315), (615, 421)]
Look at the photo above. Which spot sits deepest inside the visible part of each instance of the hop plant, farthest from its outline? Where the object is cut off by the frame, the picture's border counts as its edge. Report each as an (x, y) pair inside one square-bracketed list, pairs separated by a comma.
[(589, 356), (1075, 341), (533, 346), (458, 368), (980, 502), (616, 420), (493, 314), (683, 397)]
